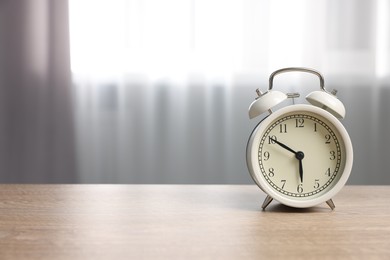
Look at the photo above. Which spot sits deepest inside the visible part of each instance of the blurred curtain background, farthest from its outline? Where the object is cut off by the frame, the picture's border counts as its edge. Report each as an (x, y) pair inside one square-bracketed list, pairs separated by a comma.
[(36, 117), (148, 91)]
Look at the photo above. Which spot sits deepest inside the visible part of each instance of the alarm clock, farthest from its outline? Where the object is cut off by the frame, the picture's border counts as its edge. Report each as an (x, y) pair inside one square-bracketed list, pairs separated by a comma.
[(300, 155)]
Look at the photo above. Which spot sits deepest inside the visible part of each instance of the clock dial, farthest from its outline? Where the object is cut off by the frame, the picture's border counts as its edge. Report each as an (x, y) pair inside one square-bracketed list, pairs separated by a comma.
[(301, 155)]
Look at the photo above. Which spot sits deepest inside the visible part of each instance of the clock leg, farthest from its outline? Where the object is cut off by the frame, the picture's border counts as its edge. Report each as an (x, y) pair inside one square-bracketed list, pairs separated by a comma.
[(266, 202), (330, 204)]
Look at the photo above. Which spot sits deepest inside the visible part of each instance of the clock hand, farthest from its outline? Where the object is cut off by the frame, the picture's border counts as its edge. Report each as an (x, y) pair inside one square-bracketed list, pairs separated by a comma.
[(301, 170), (283, 145), (299, 155)]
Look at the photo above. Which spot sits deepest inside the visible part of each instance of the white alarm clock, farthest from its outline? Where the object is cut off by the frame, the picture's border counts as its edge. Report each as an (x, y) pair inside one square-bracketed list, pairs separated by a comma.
[(300, 155)]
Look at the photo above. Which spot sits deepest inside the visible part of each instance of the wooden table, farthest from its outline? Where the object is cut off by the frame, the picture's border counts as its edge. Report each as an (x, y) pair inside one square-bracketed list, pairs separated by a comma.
[(187, 221)]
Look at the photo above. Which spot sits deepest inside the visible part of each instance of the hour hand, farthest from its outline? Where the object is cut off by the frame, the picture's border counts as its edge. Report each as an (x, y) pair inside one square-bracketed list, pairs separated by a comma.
[(283, 145)]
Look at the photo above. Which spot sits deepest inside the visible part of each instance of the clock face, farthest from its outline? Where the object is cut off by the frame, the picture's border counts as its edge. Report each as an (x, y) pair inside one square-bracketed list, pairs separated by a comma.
[(300, 154)]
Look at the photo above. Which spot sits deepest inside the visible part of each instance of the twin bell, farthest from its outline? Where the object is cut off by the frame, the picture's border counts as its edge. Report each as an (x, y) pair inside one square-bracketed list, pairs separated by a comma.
[(320, 98)]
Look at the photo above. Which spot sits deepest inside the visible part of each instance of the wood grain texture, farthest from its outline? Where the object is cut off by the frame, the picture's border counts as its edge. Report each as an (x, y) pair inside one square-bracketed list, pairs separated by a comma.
[(187, 221)]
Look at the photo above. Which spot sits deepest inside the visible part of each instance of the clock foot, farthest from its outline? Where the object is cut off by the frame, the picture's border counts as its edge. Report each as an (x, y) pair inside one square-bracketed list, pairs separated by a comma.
[(330, 204), (266, 202)]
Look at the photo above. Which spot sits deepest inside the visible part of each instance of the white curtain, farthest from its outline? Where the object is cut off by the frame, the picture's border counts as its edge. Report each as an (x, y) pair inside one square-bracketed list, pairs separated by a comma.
[(223, 39), (162, 87), (36, 123), (149, 91)]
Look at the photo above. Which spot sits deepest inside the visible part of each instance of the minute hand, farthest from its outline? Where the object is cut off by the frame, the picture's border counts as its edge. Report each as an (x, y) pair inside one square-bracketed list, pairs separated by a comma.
[(284, 146)]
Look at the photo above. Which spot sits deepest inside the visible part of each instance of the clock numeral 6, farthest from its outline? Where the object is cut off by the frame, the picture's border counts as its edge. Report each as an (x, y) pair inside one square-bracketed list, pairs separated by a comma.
[(300, 188)]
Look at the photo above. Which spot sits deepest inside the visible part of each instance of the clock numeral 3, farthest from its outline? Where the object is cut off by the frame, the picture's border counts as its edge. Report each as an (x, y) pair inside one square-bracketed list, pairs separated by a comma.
[(332, 155)]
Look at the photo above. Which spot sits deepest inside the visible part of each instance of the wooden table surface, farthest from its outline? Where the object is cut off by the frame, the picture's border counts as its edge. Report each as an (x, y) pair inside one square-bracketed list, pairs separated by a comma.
[(187, 221)]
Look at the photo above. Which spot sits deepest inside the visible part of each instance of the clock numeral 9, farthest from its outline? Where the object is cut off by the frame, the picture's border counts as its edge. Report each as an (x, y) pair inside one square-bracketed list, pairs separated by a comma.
[(271, 172), (266, 156)]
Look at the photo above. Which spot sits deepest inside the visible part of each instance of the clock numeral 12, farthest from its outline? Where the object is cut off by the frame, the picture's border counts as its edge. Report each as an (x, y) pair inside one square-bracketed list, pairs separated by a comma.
[(299, 122)]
